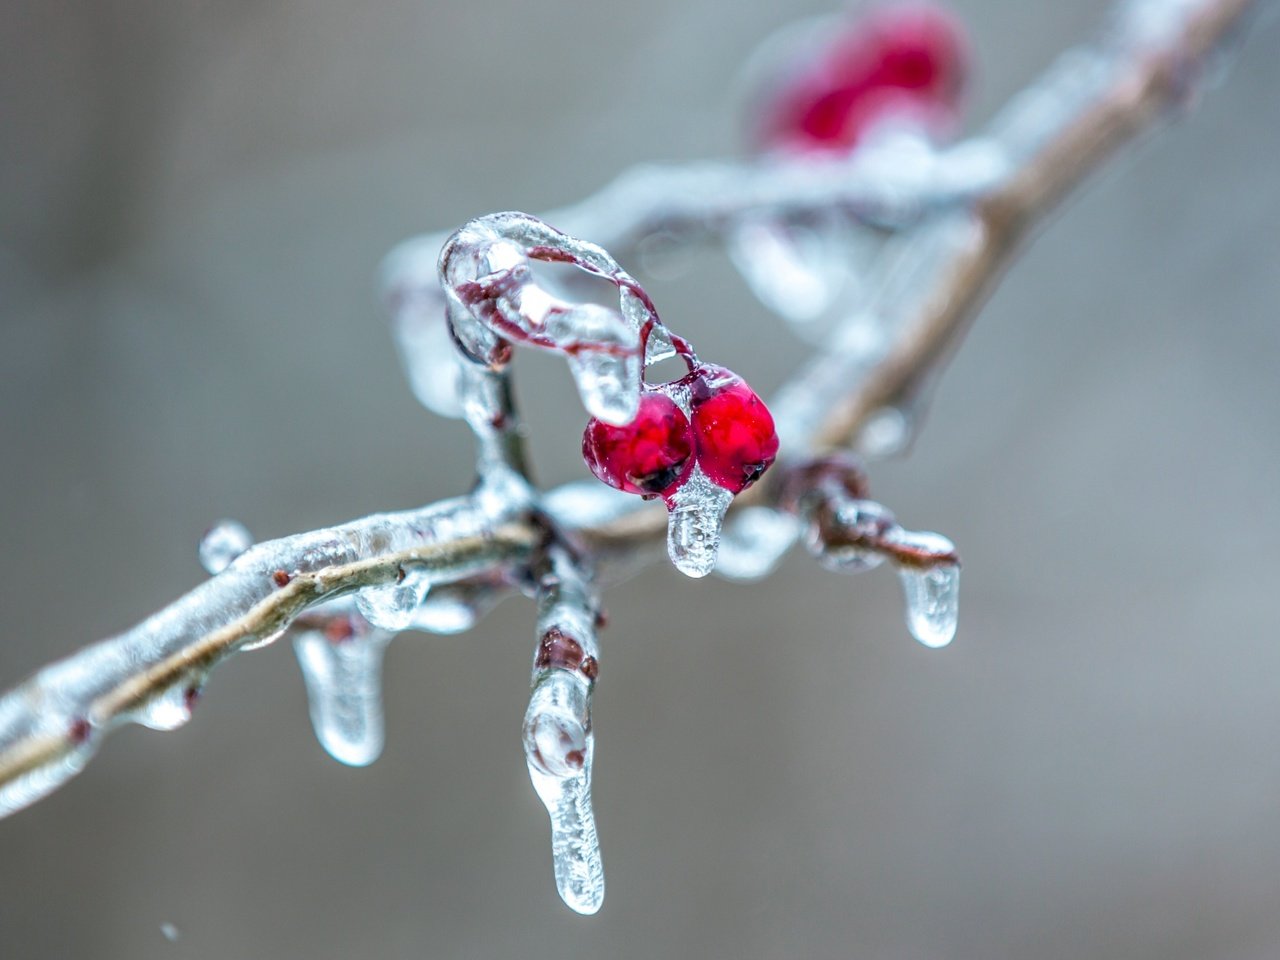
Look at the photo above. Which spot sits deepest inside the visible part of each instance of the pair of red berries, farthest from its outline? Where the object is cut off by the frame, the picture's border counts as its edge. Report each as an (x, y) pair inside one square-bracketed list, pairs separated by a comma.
[(729, 433), (907, 60)]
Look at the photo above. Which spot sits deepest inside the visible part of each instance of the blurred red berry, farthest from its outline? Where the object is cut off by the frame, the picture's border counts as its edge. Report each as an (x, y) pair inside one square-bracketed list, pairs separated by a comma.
[(733, 429), (651, 456), (910, 60)]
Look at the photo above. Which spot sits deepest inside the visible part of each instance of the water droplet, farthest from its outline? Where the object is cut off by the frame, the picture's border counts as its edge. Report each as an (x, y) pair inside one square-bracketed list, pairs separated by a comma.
[(344, 687), (223, 542), (391, 606), (170, 932), (697, 511), (932, 602), (608, 382)]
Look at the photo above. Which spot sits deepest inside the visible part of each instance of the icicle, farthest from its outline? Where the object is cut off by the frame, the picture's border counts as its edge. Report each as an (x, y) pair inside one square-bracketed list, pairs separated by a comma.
[(344, 686), (932, 592), (933, 597), (560, 747), (223, 542), (391, 606), (697, 511), (753, 542)]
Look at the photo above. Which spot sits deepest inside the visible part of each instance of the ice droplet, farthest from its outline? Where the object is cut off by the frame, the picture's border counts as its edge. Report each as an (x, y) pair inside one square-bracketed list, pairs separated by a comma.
[(391, 606), (608, 382), (344, 687), (697, 512), (932, 601), (172, 707), (754, 541), (222, 543)]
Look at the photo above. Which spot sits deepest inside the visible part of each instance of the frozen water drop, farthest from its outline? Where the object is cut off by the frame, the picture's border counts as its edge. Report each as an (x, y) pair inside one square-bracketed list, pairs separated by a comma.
[(754, 541), (223, 542), (932, 602), (575, 846), (697, 512), (172, 707), (391, 606), (344, 687), (608, 382)]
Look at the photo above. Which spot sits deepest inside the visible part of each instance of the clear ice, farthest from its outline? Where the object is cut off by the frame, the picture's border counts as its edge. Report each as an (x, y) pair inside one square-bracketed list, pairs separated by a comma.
[(344, 688), (560, 748), (697, 512), (392, 606), (932, 600)]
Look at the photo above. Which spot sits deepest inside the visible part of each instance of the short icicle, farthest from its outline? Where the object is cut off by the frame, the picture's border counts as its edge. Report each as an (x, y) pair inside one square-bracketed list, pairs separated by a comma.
[(344, 686)]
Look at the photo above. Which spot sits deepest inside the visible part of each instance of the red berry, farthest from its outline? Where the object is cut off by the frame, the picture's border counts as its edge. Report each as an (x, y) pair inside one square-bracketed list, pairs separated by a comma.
[(651, 456), (734, 429), (902, 60)]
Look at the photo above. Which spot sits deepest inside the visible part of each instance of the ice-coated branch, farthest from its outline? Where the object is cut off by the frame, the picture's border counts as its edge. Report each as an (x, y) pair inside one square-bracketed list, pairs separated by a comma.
[(882, 256), (1152, 62), (153, 673)]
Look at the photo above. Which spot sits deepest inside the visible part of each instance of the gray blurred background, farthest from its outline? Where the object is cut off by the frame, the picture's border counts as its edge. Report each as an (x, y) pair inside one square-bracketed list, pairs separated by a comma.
[(194, 197)]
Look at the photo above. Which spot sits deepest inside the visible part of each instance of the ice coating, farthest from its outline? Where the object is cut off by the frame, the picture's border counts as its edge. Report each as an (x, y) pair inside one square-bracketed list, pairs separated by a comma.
[(152, 674), (344, 688), (494, 299)]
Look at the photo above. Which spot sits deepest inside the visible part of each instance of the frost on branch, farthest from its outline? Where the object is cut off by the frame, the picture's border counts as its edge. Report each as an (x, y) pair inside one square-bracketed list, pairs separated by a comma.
[(863, 228)]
